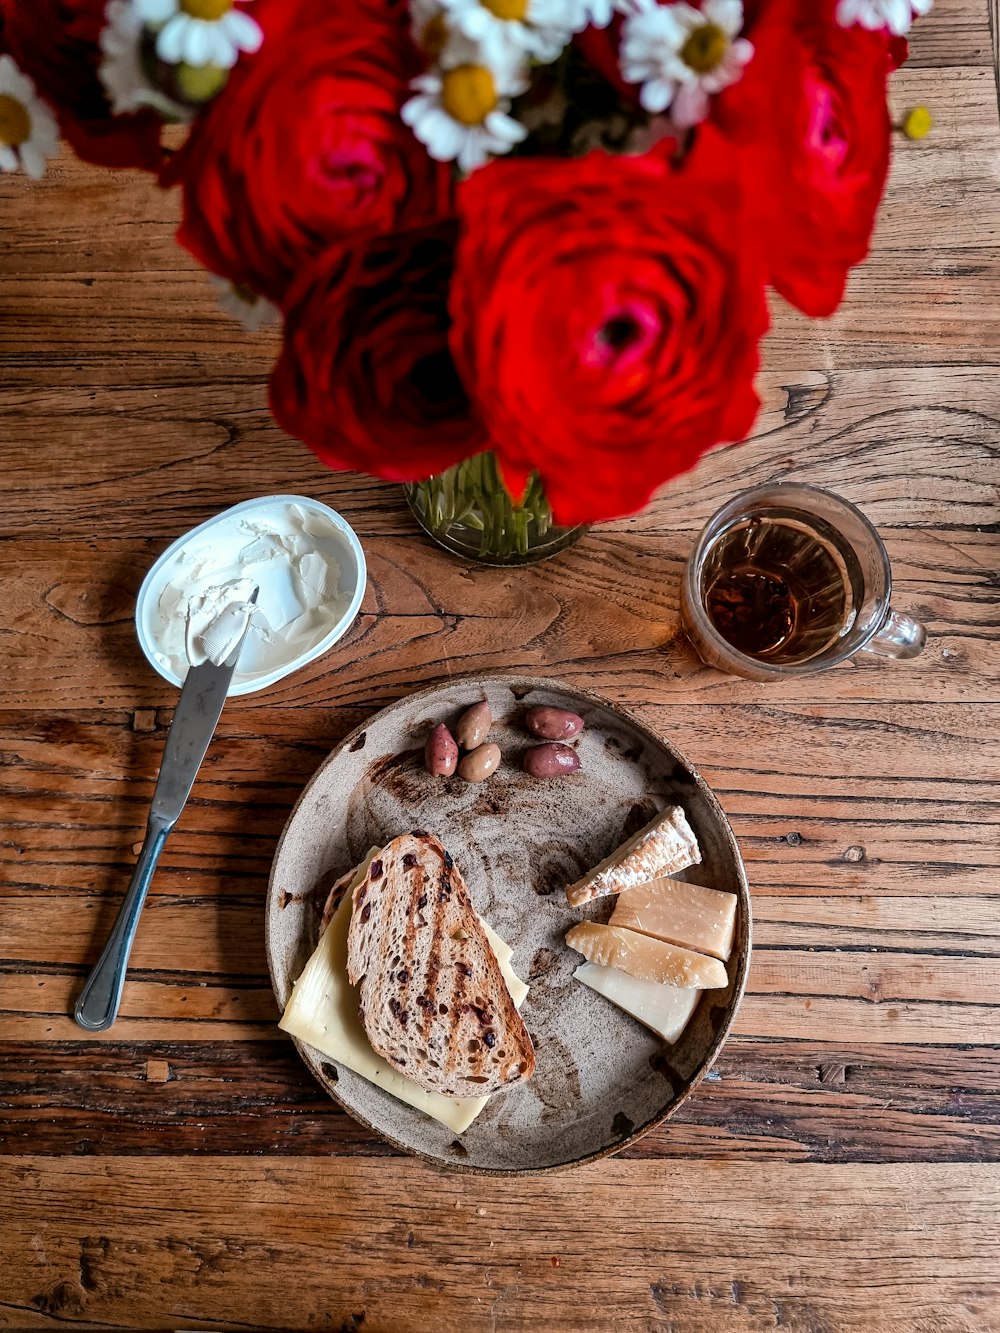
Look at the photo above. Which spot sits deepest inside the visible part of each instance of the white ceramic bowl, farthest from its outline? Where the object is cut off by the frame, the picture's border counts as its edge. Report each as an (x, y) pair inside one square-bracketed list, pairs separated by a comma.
[(227, 534)]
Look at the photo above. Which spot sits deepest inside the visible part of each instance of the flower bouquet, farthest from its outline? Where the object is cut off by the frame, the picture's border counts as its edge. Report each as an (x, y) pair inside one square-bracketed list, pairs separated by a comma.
[(533, 234)]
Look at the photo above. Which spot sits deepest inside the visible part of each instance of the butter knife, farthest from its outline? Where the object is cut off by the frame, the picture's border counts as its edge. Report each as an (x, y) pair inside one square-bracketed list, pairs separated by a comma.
[(195, 719)]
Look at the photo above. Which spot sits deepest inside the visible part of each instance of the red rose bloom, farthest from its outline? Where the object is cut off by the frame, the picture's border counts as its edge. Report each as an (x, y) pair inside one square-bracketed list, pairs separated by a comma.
[(812, 116), (365, 376), (55, 42), (607, 315), (305, 146)]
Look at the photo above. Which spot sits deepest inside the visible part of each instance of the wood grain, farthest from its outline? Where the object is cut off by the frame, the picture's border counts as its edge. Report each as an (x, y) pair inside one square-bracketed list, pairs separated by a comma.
[(838, 1168), (766, 1100), (866, 1248)]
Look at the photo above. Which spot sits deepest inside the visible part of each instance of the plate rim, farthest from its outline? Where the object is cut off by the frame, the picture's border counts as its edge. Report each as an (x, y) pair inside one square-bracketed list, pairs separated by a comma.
[(511, 679)]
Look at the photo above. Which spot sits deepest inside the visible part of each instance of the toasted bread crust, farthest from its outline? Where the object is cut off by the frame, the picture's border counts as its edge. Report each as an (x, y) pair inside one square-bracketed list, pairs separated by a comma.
[(434, 1002)]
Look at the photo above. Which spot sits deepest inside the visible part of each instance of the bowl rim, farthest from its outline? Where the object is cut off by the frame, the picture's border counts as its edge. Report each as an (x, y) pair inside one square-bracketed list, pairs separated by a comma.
[(324, 645), (514, 679)]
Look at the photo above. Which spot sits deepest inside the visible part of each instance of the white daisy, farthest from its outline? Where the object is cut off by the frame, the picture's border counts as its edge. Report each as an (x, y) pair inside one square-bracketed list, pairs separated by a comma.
[(515, 28), (681, 55), (121, 69), (599, 13), (460, 111), (896, 15), (28, 130), (200, 32), (252, 310)]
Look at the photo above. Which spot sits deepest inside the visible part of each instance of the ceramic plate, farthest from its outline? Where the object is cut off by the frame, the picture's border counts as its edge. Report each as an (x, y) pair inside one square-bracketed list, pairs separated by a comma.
[(601, 1078)]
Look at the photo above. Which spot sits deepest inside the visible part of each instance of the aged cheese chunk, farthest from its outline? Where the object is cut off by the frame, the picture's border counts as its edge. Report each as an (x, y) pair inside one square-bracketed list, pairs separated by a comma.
[(667, 844), (664, 1009), (686, 914), (640, 956), (323, 1011)]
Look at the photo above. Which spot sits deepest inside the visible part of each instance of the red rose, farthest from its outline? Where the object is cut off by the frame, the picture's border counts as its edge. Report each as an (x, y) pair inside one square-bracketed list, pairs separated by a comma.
[(607, 314), (305, 146), (55, 42), (365, 376), (812, 116)]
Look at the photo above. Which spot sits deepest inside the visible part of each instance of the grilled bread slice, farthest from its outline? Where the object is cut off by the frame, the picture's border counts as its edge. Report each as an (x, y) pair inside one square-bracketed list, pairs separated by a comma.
[(434, 1002), (341, 886), (667, 844)]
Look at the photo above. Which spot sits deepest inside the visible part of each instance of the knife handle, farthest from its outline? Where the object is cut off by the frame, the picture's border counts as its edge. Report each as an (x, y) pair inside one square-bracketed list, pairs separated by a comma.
[(97, 1007)]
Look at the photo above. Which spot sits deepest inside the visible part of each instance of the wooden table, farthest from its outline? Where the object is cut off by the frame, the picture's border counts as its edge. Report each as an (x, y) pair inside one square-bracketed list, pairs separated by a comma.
[(838, 1171)]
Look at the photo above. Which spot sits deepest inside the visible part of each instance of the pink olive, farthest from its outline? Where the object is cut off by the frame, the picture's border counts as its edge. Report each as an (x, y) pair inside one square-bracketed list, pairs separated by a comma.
[(550, 761), (474, 725), (440, 752), (479, 763), (553, 724)]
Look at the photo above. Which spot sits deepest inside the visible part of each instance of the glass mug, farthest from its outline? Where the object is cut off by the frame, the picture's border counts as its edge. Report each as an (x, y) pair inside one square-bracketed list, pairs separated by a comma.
[(789, 579)]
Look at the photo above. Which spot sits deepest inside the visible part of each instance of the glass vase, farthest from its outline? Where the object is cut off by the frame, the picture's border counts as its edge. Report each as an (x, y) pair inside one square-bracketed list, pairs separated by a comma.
[(467, 511)]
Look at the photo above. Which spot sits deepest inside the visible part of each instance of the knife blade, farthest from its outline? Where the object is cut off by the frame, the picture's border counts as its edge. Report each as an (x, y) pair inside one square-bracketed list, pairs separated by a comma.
[(196, 716)]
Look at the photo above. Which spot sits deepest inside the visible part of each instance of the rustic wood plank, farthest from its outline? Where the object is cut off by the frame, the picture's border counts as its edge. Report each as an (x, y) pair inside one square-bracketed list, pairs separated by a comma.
[(612, 600), (915, 449), (862, 995), (966, 926), (764, 1100), (825, 799), (951, 173), (195, 937), (955, 33), (784, 1015), (214, 1243), (50, 995)]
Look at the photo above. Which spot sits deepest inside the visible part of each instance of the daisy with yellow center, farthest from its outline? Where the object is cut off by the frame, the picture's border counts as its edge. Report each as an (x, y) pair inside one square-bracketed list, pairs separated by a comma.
[(123, 71), (28, 130), (682, 55), (200, 32), (460, 111), (515, 28)]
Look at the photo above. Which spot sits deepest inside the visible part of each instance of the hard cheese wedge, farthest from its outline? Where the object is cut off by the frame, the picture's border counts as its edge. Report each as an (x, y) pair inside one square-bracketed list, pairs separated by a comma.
[(640, 956), (685, 914), (323, 1011), (667, 844), (664, 1009)]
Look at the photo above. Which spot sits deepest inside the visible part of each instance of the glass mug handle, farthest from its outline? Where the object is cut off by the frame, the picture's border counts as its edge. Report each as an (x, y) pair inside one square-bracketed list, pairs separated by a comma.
[(898, 636)]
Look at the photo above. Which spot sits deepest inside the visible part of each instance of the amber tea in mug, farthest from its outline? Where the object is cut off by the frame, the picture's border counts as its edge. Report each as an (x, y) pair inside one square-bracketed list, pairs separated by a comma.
[(788, 579)]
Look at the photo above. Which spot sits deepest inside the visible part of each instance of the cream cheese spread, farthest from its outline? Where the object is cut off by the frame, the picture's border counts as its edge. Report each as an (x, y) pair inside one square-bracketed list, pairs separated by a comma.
[(294, 554)]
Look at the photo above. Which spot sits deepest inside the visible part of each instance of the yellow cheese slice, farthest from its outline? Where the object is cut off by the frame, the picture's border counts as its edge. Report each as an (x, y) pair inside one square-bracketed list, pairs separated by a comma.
[(685, 914), (664, 1009), (640, 956), (323, 1011)]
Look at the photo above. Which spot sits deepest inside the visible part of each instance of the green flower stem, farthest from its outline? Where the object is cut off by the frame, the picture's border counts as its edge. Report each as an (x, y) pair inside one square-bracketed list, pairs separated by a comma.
[(467, 506)]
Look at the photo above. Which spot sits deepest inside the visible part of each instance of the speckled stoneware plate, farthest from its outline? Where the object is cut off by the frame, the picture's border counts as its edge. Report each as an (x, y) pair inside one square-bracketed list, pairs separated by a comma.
[(601, 1078)]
